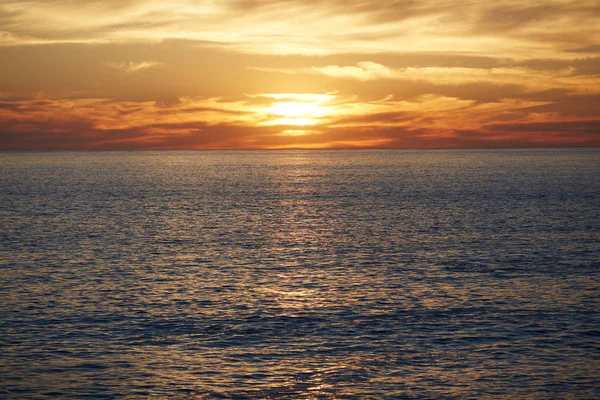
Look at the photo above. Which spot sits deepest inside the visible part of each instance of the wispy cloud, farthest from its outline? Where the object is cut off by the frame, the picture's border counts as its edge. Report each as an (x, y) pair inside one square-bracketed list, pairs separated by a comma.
[(535, 79), (512, 28), (130, 67)]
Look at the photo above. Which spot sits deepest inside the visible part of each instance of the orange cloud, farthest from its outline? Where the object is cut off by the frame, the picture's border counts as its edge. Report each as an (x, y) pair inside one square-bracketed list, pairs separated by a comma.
[(313, 74), (428, 121)]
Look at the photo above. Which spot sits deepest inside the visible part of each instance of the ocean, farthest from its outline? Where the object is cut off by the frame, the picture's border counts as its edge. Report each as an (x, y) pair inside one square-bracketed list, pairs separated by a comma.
[(358, 274)]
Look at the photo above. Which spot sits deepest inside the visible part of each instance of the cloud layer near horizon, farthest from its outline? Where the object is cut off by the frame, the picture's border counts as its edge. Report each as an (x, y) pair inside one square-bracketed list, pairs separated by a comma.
[(314, 74)]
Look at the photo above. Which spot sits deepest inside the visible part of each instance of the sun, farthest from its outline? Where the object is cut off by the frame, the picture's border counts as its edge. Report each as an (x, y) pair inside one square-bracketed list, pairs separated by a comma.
[(295, 113), (297, 109), (294, 109)]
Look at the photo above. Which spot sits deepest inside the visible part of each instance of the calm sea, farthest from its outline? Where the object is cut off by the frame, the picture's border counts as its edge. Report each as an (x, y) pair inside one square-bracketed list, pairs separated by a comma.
[(300, 274)]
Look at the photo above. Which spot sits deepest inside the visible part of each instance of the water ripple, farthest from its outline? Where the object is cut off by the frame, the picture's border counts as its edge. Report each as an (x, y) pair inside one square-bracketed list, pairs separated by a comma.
[(301, 275)]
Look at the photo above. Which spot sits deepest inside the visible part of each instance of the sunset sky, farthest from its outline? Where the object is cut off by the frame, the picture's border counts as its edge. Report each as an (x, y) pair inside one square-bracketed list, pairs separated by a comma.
[(193, 74)]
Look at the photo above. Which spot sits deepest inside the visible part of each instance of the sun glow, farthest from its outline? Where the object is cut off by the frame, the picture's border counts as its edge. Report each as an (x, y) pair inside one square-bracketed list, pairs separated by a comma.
[(298, 109), (295, 113), (294, 109)]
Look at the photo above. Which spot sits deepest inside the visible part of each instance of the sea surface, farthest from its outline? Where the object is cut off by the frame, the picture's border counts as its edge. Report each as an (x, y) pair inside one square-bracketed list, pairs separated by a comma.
[(300, 274)]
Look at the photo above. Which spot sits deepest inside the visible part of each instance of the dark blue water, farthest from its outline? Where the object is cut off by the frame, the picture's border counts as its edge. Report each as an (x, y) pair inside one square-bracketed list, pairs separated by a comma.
[(300, 274)]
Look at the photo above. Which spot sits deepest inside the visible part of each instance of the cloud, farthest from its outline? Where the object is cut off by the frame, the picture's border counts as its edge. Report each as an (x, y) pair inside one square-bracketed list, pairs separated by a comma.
[(212, 74), (252, 122), (533, 79), (510, 29), (592, 48), (130, 67), (364, 71)]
